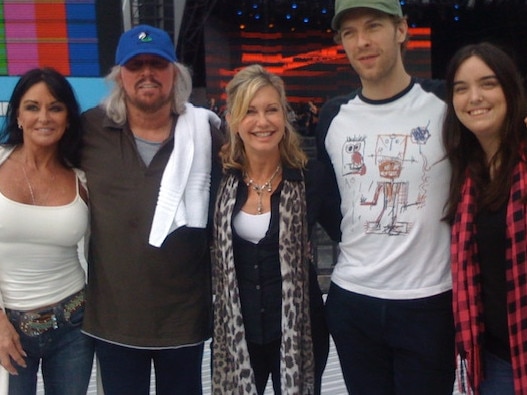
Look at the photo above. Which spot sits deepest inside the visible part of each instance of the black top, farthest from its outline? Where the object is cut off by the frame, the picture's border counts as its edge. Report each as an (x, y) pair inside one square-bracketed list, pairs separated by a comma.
[(491, 240), (258, 265)]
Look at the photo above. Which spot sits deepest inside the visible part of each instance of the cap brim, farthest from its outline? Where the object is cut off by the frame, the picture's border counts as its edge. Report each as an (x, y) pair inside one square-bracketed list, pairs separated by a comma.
[(145, 52)]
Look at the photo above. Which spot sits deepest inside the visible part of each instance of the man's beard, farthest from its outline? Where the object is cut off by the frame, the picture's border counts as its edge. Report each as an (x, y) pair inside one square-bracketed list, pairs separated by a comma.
[(150, 107)]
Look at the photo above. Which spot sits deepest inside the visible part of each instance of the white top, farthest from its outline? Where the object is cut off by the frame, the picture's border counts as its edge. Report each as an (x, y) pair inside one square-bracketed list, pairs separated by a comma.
[(394, 179), (39, 263), (251, 227)]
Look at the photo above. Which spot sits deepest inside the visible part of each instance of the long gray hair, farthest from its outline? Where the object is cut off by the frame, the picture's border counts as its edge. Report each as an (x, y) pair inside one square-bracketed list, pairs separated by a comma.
[(114, 103)]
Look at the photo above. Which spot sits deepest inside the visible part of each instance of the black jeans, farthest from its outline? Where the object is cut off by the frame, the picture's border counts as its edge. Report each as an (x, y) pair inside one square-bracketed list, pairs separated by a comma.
[(265, 358), (126, 370), (393, 347)]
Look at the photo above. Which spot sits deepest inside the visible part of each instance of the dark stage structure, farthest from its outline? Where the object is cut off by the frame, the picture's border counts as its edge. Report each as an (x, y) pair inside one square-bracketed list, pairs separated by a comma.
[(294, 39)]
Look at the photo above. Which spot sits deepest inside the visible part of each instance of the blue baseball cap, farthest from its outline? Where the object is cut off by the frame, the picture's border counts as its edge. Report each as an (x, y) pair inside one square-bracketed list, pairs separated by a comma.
[(144, 39)]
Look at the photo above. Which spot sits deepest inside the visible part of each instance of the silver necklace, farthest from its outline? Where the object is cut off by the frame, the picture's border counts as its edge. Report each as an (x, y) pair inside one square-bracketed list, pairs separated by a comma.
[(29, 185), (31, 190), (259, 189)]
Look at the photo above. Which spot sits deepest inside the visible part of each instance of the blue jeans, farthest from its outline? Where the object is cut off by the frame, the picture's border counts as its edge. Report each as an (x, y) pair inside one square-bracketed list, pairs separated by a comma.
[(498, 376), (126, 370), (66, 355), (393, 347)]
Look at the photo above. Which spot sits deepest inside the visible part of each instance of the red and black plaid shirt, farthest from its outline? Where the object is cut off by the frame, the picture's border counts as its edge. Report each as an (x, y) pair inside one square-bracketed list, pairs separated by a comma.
[(466, 285)]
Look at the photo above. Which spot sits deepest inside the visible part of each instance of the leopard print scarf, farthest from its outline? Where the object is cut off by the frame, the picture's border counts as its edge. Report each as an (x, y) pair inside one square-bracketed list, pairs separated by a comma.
[(232, 372)]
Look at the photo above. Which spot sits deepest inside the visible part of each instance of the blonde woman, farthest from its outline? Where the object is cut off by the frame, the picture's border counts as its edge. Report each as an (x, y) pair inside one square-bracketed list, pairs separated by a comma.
[(268, 308)]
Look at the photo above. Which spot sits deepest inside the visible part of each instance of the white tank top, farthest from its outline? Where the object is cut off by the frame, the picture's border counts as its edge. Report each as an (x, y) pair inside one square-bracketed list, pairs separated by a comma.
[(39, 263), (251, 227)]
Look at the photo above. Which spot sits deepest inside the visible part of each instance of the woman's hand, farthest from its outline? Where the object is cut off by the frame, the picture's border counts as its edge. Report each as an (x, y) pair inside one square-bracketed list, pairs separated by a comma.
[(10, 346)]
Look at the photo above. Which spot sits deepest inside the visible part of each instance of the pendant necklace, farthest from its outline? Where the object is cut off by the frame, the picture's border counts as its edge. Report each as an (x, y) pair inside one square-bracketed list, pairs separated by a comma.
[(31, 190), (259, 189)]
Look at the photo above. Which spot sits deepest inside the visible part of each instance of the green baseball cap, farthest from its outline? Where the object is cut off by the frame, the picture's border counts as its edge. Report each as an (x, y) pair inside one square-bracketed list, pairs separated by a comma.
[(392, 7)]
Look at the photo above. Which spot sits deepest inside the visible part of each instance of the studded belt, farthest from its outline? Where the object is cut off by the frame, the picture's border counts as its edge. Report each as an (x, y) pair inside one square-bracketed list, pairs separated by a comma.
[(37, 322)]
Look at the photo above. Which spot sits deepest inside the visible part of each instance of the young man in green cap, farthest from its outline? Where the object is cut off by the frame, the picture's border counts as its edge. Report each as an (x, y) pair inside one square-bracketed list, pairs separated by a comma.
[(389, 304)]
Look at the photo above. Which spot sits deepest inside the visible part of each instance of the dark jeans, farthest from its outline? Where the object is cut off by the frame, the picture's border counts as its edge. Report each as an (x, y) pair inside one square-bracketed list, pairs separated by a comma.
[(126, 370), (265, 359), (393, 347), (66, 356), (498, 376)]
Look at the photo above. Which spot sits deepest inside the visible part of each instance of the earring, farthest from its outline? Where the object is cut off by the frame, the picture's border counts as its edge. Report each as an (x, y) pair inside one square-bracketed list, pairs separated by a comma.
[(20, 126)]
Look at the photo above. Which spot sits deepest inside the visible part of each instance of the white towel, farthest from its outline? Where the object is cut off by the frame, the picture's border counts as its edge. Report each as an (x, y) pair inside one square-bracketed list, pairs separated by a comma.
[(184, 192)]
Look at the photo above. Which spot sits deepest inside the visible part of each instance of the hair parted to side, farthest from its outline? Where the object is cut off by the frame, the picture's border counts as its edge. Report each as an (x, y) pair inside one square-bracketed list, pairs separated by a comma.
[(463, 148), (115, 104), (62, 91), (240, 91)]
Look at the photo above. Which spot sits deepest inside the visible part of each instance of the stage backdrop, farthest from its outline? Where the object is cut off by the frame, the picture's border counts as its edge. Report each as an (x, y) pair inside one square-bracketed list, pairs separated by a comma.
[(312, 65)]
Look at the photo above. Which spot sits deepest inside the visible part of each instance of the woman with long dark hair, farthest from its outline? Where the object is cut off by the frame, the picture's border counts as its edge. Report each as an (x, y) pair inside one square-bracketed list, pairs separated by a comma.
[(486, 142), (43, 217)]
